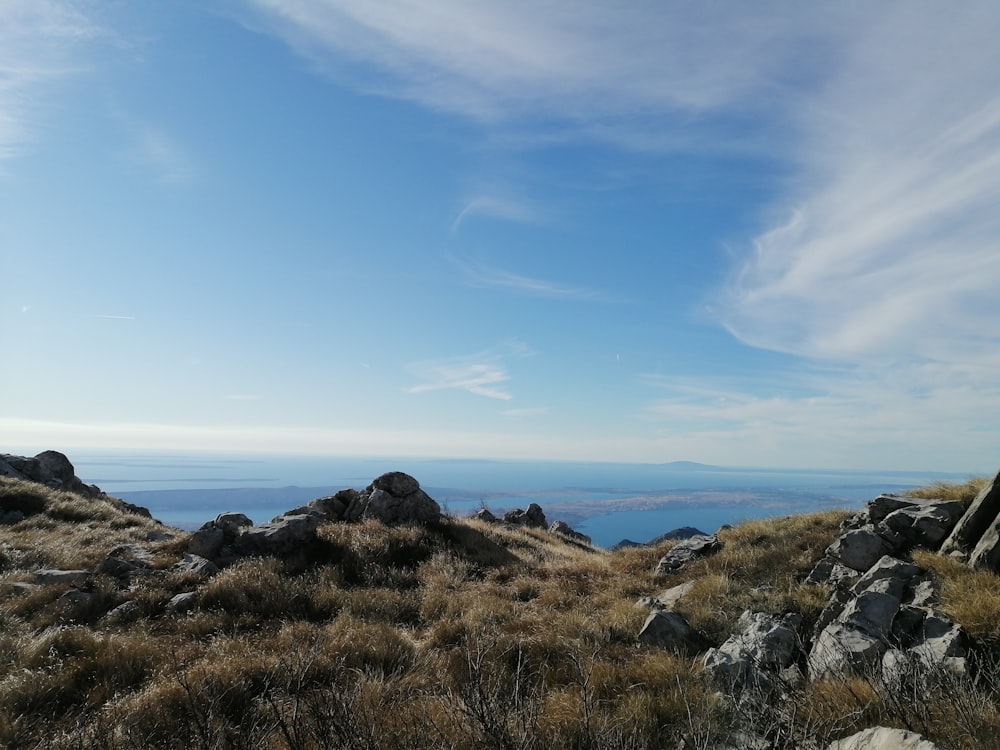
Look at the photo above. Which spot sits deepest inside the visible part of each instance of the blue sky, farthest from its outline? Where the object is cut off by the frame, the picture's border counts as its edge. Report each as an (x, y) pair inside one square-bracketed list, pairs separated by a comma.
[(742, 234)]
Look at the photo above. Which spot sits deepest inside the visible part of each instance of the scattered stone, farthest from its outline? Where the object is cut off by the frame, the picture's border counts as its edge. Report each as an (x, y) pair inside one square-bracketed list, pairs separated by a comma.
[(674, 594), (125, 612), (686, 551), (182, 602), (231, 523), (484, 515), (669, 630), (396, 483), (70, 577), (195, 564)]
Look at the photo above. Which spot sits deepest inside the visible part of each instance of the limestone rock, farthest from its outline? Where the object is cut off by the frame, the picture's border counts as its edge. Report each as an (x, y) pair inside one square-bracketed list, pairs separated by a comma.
[(884, 738), (283, 535), (981, 515), (396, 483), (533, 517), (926, 524), (686, 551), (484, 515), (69, 577), (413, 507), (669, 630), (861, 548), (765, 645), (196, 564), (182, 602), (206, 542)]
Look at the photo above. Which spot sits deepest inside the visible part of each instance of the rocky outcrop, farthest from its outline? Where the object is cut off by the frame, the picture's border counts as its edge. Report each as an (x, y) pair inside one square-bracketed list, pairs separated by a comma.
[(54, 470), (756, 657), (51, 468), (686, 551), (532, 518), (393, 498), (981, 516), (684, 532)]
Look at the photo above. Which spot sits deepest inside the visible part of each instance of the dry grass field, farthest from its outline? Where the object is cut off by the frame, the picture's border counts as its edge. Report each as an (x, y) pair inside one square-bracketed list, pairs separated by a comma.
[(458, 635)]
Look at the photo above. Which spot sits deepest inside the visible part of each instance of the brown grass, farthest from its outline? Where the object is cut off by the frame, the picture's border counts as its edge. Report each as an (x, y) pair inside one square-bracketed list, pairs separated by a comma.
[(459, 635)]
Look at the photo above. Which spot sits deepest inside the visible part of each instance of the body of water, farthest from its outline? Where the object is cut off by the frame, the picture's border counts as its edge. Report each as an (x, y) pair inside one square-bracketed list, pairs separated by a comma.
[(608, 501)]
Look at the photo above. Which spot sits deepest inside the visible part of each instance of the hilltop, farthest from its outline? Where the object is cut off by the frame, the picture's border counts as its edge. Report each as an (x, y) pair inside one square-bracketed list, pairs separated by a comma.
[(371, 619)]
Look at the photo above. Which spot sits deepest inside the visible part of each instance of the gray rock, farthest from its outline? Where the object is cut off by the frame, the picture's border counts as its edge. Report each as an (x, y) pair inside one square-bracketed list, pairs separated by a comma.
[(396, 483), (981, 515), (282, 536), (830, 572), (649, 602), (117, 567), (986, 553), (764, 646), (335, 506), (69, 577), (563, 529), (182, 602), (861, 548), (484, 515), (926, 524), (840, 648), (674, 594), (206, 542), (414, 507), (230, 523), (884, 738), (195, 564), (878, 508), (684, 552), (124, 613), (670, 631), (533, 517)]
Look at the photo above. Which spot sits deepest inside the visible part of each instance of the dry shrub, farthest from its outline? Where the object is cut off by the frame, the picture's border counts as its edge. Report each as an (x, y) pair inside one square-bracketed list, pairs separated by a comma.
[(963, 491)]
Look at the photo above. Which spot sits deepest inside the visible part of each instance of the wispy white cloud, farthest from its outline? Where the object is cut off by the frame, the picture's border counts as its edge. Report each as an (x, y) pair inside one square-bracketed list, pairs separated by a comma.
[(41, 43), (890, 248), (635, 75), (495, 207), (486, 276), (483, 374)]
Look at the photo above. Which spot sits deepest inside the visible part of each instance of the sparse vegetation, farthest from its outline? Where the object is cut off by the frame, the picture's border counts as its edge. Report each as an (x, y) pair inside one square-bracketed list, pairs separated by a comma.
[(459, 635)]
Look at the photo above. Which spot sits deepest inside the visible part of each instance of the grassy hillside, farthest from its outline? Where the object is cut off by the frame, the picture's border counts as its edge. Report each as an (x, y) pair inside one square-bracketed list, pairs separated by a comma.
[(460, 635)]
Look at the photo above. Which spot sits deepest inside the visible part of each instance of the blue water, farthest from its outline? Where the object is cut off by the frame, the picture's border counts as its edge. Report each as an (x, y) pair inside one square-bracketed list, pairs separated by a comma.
[(597, 498)]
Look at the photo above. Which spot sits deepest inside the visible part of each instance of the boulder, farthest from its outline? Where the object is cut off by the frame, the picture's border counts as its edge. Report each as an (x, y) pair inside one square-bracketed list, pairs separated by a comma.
[(765, 645), (207, 541), (414, 507), (926, 524), (859, 549), (669, 630), (563, 529), (282, 536), (230, 523), (195, 564), (533, 517), (484, 515), (981, 515), (884, 738), (986, 553), (182, 602), (335, 506), (686, 551), (854, 629), (69, 577), (396, 483)]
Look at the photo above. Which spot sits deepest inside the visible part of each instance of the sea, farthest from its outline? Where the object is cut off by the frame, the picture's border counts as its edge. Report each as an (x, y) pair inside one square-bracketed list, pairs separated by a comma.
[(610, 502)]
